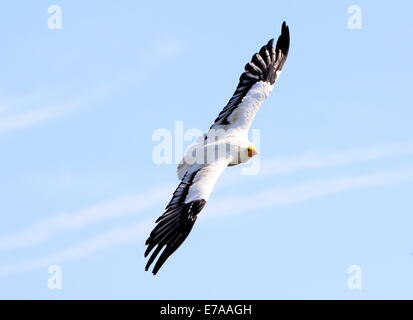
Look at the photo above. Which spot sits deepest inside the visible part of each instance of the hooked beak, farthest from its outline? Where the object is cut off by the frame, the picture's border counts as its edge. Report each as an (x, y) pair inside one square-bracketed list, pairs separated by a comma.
[(252, 152)]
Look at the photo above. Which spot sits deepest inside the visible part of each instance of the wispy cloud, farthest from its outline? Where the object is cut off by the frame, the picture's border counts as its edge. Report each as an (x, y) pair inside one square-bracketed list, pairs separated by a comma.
[(32, 117), (313, 160), (129, 205), (15, 103), (153, 56), (114, 209), (220, 207), (283, 165), (106, 240), (305, 191), (36, 108), (25, 112)]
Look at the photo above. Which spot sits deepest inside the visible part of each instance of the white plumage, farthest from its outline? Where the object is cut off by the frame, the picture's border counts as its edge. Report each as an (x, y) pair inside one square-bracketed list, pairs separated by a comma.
[(241, 118), (225, 144)]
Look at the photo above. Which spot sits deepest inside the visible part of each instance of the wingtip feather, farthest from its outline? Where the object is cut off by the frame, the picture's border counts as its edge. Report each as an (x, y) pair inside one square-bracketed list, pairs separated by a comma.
[(283, 42)]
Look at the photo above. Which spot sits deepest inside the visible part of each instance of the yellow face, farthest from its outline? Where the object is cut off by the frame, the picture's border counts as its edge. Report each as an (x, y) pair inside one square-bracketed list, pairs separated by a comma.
[(251, 151)]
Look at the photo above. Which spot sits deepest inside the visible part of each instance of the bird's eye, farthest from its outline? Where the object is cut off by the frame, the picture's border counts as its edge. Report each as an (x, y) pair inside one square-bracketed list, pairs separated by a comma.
[(250, 152)]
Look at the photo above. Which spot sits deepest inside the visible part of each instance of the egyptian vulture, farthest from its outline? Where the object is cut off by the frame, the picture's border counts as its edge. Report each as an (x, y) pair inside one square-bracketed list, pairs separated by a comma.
[(225, 144)]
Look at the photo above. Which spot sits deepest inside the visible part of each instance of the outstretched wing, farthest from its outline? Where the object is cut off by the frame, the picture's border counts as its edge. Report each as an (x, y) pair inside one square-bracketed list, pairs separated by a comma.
[(181, 213), (255, 84)]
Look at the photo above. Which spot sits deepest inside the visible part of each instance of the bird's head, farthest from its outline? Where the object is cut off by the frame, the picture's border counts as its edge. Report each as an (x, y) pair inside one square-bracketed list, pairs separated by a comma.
[(251, 151)]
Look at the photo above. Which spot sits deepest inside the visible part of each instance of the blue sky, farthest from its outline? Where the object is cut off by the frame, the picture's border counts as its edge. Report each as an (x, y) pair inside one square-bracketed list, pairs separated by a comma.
[(79, 106)]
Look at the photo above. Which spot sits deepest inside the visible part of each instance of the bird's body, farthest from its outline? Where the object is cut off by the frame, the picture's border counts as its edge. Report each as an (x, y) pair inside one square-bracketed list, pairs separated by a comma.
[(225, 144)]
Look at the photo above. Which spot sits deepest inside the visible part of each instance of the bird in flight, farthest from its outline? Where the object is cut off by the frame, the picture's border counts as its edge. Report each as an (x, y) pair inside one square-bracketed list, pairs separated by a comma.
[(225, 144)]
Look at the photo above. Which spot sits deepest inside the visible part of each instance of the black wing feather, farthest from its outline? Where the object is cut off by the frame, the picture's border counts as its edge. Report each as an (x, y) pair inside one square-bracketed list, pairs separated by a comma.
[(262, 67), (174, 225)]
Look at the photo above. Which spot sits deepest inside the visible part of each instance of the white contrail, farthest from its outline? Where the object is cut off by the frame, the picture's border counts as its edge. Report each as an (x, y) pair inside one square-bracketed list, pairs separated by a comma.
[(312, 160), (106, 240), (305, 191), (283, 165), (29, 118), (10, 119), (44, 230), (113, 209), (11, 104), (228, 205)]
